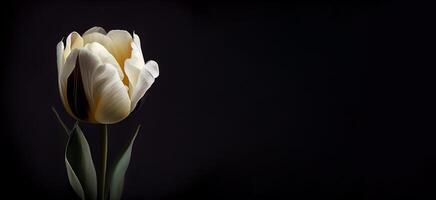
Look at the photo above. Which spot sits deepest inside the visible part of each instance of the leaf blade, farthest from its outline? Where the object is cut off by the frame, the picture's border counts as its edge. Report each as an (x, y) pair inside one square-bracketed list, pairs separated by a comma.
[(80, 167), (74, 180), (120, 168)]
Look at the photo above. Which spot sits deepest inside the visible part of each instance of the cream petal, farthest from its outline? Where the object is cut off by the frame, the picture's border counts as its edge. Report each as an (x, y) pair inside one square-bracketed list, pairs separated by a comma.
[(67, 69), (140, 80), (95, 29), (73, 41), (152, 67), (102, 39), (137, 46), (105, 56), (88, 63), (60, 64), (141, 75), (133, 67), (108, 97), (60, 59), (137, 42), (121, 40), (143, 81)]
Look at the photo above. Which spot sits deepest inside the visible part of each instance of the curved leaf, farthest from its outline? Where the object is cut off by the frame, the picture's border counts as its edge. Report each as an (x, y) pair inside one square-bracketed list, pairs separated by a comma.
[(80, 167), (74, 181), (119, 170)]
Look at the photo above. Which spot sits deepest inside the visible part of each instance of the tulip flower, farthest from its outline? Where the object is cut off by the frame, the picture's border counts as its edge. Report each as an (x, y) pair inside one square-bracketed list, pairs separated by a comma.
[(102, 76)]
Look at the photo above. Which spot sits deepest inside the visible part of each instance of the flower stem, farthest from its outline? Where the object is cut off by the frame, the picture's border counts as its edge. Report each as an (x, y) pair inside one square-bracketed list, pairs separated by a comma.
[(103, 164)]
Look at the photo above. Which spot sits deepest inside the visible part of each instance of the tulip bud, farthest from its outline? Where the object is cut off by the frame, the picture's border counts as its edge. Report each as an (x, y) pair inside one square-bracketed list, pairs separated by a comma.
[(102, 76)]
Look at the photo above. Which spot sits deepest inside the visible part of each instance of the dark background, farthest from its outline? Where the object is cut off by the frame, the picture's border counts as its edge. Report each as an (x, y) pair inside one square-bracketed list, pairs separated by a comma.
[(254, 100)]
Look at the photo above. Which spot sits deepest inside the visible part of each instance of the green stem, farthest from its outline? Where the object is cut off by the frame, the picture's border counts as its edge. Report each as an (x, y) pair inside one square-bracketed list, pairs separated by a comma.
[(103, 164)]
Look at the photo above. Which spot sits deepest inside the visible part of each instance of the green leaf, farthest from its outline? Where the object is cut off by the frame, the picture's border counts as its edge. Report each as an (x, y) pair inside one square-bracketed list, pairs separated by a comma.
[(67, 131), (80, 168), (120, 168)]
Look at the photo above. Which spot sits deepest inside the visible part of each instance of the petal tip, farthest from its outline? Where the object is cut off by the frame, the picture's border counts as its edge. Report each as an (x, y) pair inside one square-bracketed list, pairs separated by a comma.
[(60, 44), (94, 29), (153, 68)]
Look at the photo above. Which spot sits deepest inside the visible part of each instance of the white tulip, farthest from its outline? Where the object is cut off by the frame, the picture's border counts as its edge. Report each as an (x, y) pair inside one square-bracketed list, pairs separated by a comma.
[(103, 76)]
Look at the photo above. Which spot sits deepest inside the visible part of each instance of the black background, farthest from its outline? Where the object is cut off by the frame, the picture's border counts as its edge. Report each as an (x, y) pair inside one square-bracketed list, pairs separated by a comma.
[(254, 100)]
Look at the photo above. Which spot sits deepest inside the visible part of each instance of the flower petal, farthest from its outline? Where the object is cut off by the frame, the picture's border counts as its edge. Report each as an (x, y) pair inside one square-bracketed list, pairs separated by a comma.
[(142, 82), (60, 63), (64, 74), (137, 46), (136, 40), (76, 94), (104, 55), (141, 75), (60, 59), (108, 97), (73, 41), (153, 68), (140, 79), (121, 40), (100, 38), (95, 29), (114, 102)]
